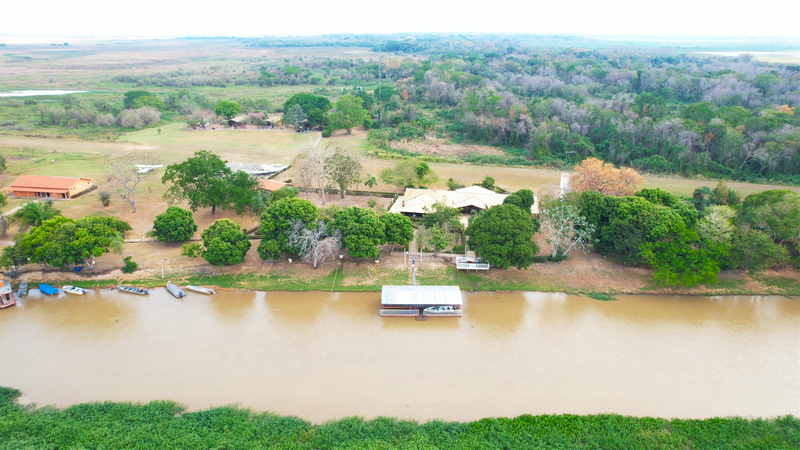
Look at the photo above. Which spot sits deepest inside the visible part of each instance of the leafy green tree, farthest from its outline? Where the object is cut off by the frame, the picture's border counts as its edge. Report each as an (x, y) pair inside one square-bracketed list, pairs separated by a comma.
[(227, 109), (680, 260), (699, 112), (649, 105), (775, 212), (2, 164), (398, 229), (32, 214), (371, 182), (362, 231), (60, 241), (131, 96), (754, 251), (503, 236), (523, 198), (409, 173), (717, 224), (487, 183), (294, 116), (439, 214), (347, 114), (205, 181), (148, 100), (344, 169), (453, 184), (174, 225), (276, 224), (224, 243), (433, 238), (314, 106), (366, 100)]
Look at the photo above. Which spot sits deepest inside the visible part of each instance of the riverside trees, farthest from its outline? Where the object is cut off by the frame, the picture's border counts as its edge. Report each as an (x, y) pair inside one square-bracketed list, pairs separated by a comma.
[(60, 241), (503, 236), (174, 225)]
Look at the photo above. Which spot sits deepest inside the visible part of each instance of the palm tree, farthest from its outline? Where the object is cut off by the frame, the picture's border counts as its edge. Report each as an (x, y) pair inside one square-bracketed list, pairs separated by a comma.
[(117, 243), (32, 214)]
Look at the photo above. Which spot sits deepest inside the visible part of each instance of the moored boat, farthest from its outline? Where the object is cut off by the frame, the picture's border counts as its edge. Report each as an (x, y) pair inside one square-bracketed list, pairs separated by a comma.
[(200, 289), (47, 289), (175, 290), (6, 294), (132, 290), (22, 289), (74, 290)]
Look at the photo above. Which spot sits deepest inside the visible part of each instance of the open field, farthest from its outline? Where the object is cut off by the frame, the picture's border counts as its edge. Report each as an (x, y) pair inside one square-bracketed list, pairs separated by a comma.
[(86, 158)]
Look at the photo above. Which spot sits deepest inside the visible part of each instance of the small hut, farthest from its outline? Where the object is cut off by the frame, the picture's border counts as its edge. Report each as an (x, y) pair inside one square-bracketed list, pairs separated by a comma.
[(238, 121)]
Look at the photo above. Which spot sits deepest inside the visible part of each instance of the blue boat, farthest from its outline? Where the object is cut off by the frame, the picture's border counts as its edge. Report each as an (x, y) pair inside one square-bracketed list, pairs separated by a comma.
[(47, 289)]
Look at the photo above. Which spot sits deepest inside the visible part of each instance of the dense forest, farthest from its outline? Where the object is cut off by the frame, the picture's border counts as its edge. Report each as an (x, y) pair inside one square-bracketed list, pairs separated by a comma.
[(656, 110)]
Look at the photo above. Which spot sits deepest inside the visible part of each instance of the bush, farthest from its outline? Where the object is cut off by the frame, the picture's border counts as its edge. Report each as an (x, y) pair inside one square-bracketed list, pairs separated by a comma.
[(130, 265), (174, 225), (327, 132), (105, 198), (457, 249)]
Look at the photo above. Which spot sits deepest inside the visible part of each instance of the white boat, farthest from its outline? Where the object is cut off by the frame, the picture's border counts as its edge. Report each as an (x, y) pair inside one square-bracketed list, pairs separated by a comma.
[(443, 311), (200, 289), (74, 290), (175, 290)]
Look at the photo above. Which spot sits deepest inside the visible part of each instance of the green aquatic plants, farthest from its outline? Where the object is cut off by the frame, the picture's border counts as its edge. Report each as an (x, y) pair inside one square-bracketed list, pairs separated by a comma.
[(166, 424)]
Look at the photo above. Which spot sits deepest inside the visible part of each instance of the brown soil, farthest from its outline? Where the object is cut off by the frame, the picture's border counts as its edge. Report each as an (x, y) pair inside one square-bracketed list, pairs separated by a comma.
[(438, 147)]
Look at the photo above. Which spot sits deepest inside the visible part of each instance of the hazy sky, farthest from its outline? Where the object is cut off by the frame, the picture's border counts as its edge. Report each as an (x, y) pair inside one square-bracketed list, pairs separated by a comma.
[(310, 17)]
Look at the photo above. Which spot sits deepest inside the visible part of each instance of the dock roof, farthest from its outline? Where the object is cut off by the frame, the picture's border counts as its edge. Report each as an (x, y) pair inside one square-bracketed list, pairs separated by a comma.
[(421, 295)]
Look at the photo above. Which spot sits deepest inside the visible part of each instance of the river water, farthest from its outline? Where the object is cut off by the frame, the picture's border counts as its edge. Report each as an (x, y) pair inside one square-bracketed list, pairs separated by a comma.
[(321, 356)]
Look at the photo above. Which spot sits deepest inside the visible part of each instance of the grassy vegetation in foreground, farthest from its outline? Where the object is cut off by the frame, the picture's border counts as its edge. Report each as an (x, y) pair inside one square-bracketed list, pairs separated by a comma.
[(165, 424)]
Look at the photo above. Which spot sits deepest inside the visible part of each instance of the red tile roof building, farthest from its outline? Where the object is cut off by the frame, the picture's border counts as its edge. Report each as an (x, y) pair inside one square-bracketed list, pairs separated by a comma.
[(35, 186)]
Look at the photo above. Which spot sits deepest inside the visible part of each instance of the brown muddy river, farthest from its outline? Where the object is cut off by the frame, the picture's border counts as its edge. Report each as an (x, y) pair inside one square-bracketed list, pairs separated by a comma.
[(321, 356)]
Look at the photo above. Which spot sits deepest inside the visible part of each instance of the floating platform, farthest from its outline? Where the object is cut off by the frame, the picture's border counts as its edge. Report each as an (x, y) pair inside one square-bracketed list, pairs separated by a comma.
[(424, 301)]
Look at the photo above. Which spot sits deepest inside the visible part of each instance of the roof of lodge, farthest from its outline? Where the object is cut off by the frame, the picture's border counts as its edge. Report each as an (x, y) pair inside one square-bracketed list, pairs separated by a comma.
[(43, 183), (417, 200), (420, 295), (270, 185)]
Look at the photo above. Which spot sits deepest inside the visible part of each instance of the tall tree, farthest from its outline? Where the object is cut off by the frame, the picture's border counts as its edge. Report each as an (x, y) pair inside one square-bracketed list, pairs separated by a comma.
[(314, 244), (314, 106), (227, 109), (347, 114), (362, 231), (311, 164), (205, 181), (125, 177), (344, 167), (174, 225), (398, 229), (409, 173), (276, 224), (224, 243), (566, 229), (294, 116), (503, 236), (596, 175)]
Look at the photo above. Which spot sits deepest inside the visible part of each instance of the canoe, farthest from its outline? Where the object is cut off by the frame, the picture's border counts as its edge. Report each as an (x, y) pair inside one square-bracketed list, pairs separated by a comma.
[(47, 289), (200, 289), (74, 290), (8, 303), (175, 290), (132, 290), (22, 289)]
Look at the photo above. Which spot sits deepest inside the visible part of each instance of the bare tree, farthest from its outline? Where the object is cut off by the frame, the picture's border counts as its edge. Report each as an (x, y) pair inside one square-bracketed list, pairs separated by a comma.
[(566, 229), (314, 245), (124, 176), (311, 164), (200, 118)]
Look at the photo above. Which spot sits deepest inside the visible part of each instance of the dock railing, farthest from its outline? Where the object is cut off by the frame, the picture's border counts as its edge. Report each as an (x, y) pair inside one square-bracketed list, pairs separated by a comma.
[(470, 264)]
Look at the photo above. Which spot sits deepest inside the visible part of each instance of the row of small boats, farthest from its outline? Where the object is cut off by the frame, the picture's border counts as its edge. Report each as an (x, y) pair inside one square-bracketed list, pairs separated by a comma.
[(177, 292)]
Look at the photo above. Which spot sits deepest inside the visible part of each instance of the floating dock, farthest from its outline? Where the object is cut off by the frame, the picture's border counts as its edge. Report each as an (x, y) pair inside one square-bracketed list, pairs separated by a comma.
[(425, 301)]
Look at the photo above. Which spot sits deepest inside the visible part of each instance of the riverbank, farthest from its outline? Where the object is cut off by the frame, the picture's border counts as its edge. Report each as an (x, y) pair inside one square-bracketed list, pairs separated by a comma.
[(608, 278), (162, 424)]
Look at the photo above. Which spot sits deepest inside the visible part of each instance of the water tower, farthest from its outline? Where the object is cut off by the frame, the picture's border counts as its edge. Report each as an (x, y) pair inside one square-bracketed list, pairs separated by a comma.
[(564, 184)]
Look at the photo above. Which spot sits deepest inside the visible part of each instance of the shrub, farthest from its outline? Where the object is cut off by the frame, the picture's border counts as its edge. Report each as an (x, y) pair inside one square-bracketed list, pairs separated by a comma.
[(129, 266), (174, 225), (105, 198)]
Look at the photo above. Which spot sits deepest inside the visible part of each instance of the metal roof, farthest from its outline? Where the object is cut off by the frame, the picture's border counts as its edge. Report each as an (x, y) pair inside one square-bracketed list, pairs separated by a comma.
[(37, 182), (421, 295)]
